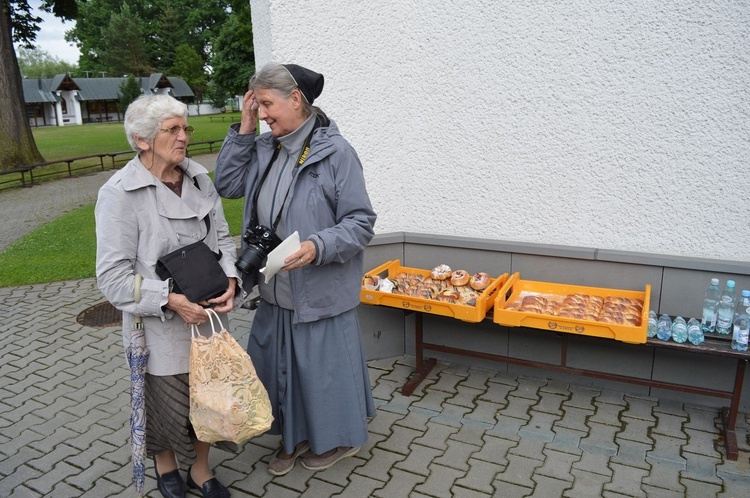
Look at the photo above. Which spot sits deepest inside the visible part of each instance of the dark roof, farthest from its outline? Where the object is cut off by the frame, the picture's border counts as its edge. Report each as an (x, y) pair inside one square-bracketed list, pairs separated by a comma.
[(180, 88), (99, 88), (157, 80), (37, 91), (57, 81)]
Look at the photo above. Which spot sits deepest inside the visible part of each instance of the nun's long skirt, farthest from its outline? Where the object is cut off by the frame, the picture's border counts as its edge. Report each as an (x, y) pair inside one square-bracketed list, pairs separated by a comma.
[(316, 377)]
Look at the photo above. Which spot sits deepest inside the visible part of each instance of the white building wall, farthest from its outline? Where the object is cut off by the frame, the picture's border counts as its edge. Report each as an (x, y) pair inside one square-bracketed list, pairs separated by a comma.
[(587, 123), (202, 109)]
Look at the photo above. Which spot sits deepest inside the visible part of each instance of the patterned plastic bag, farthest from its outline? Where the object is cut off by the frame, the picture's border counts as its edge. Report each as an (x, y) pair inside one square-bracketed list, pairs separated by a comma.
[(227, 400)]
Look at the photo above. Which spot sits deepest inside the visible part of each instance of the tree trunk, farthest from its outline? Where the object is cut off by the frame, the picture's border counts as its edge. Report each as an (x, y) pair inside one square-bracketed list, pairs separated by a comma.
[(18, 147)]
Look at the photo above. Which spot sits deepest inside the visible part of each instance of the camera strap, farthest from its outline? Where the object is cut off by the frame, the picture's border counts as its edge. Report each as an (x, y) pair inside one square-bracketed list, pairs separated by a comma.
[(300, 161)]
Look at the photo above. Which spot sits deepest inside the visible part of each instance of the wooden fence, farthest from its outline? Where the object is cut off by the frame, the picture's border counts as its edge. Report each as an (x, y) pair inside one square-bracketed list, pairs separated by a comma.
[(28, 176)]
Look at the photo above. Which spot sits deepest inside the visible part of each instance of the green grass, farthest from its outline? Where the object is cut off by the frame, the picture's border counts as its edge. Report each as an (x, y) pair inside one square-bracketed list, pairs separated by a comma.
[(233, 214), (65, 249), (55, 142)]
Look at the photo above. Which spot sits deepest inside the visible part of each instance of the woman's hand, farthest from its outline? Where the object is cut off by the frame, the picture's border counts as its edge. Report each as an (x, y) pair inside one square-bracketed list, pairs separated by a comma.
[(225, 302), (192, 313), (305, 256), (249, 113)]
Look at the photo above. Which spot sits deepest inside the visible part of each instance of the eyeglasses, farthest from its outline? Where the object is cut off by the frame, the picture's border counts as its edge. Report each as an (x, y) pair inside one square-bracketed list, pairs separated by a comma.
[(175, 130)]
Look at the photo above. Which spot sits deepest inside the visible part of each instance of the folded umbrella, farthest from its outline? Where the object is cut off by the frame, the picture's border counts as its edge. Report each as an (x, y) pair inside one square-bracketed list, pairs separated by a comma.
[(137, 360)]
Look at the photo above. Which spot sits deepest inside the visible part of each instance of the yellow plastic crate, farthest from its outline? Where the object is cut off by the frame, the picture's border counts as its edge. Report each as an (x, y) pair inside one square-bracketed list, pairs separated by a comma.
[(514, 288), (463, 312)]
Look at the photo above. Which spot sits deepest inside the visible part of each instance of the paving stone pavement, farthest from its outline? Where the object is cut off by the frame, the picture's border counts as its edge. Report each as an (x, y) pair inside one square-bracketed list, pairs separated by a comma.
[(64, 416), (64, 426)]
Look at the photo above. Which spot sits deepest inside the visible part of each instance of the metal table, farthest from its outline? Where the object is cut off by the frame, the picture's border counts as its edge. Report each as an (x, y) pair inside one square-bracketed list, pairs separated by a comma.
[(713, 345)]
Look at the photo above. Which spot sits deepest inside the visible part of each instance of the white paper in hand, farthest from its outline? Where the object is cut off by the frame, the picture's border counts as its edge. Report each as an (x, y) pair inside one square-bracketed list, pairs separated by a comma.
[(276, 258)]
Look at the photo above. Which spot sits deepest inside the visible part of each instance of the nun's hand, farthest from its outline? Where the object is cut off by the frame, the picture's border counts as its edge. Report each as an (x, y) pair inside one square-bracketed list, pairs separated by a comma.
[(249, 113), (305, 256)]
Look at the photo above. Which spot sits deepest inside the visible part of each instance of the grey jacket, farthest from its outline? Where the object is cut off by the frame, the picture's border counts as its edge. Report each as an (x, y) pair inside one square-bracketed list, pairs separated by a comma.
[(328, 204), (138, 220)]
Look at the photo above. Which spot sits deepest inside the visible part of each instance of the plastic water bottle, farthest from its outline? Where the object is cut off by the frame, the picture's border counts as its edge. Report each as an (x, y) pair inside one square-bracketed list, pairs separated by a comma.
[(725, 309), (679, 330), (742, 323), (653, 324), (664, 328), (695, 331), (713, 294)]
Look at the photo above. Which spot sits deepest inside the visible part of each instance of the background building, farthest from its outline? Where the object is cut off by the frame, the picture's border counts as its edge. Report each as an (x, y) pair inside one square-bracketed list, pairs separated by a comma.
[(65, 100)]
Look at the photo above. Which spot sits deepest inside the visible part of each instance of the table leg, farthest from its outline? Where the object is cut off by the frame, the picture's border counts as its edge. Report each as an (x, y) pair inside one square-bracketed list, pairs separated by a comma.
[(729, 415), (423, 366)]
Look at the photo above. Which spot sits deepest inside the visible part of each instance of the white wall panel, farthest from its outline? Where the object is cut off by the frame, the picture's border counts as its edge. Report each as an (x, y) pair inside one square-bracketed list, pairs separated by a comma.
[(587, 123)]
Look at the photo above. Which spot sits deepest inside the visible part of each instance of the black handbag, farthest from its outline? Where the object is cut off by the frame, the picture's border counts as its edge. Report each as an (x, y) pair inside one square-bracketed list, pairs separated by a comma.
[(195, 270)]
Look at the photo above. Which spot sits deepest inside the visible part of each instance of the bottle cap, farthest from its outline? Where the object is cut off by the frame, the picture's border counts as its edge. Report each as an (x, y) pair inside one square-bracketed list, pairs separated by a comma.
[(714, 281), (746, 293), (730, 283)]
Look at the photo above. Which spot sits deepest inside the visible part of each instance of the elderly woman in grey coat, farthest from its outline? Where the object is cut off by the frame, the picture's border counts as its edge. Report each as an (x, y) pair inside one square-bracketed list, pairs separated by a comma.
[(305, 339), (154, 205)]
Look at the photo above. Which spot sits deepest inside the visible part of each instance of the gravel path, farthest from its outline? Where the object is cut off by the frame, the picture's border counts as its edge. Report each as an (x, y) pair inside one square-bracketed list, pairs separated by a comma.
[(24, 209)]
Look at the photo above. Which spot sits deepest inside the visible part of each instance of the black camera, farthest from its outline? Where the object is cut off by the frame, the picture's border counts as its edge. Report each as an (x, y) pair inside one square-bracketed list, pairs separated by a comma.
[(260, 241)]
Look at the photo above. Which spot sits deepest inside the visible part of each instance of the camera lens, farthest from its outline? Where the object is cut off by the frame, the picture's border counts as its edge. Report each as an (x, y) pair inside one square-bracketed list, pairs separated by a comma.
[(251, 259)]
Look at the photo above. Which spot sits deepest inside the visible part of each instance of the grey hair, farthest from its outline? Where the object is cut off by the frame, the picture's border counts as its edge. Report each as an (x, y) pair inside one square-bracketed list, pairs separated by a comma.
[(277, 78), (144, 116)]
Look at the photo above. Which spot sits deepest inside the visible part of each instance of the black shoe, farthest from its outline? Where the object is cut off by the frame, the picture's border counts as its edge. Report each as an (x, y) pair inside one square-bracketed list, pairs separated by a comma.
[(211, 488), (170, 485)]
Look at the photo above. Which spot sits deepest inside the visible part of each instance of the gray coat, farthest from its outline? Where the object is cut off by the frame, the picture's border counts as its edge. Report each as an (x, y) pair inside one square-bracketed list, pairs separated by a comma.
[(138, 220), (328, 204)]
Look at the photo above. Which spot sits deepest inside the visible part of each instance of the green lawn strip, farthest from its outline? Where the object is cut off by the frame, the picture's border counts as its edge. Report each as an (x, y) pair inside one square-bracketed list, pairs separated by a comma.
[(65, 248), (65, 142), (57, 143)]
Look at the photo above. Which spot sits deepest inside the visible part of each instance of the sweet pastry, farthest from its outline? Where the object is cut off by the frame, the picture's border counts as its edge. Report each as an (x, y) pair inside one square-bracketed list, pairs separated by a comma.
[(441, 272), (597, 300), (531, 307), (611, 319), (480, 281), (571, 314), (552, 308), (534, 299), (459, 277), (371, 282), (467, 295), (632, 319), (424, 293), (450, 296)]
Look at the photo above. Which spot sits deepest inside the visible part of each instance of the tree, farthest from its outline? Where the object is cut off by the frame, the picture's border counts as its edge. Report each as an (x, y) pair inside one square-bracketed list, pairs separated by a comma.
[(216, 95), (189, 66), (87, 34), (36, 63), (129, 91), (168, 33), (124, 36), (234, 58), (205, 20), (18, 24), (165, 24)]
